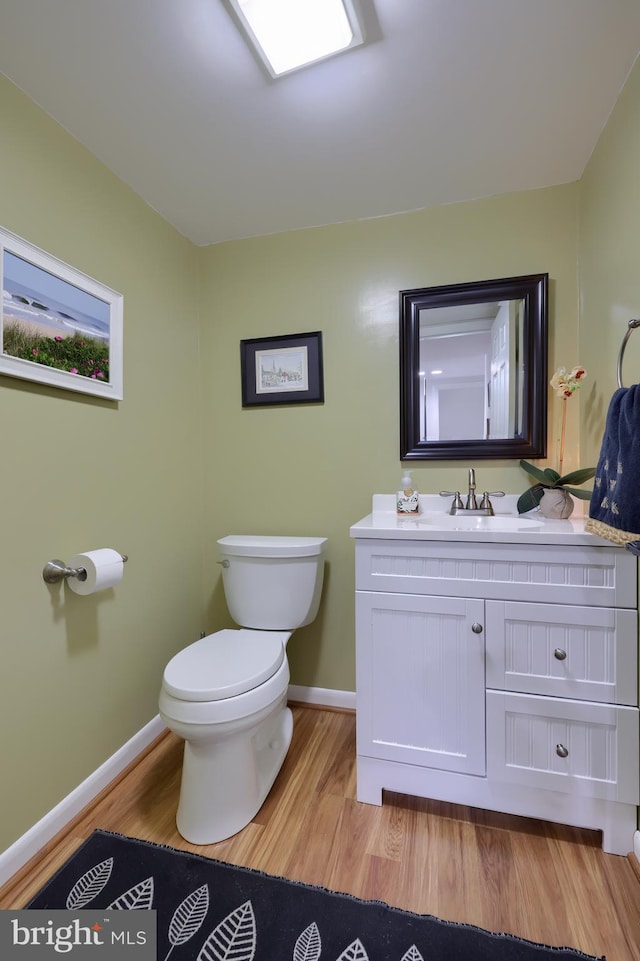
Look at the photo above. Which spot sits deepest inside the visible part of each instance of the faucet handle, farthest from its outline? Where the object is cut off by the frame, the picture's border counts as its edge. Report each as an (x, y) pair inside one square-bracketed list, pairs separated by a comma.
[(486, 503), (457, 500)]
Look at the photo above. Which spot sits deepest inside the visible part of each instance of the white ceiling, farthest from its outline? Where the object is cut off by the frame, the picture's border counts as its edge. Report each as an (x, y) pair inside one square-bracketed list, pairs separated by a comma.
[(449, 100)]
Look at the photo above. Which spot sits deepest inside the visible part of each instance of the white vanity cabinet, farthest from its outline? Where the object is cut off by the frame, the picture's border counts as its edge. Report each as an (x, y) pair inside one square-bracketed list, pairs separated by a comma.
[(501, 675)]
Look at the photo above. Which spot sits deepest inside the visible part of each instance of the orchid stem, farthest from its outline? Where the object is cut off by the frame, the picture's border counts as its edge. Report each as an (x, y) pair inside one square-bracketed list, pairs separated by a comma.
[(562, 432)]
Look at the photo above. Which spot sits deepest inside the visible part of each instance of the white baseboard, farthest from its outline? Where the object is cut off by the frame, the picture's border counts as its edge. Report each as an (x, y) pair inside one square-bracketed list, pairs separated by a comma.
[(322, 696), (636, 845), (47, 827), (55, 820)]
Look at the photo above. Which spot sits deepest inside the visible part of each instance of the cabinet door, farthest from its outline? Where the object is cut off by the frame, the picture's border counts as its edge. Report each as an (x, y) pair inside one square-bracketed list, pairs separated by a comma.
[(574, 652), (421, 680)]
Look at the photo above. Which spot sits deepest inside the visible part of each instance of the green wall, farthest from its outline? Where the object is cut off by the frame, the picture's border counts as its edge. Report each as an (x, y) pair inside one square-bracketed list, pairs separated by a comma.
[(313, 469), (80, 675), (179, 463), (609, 266)]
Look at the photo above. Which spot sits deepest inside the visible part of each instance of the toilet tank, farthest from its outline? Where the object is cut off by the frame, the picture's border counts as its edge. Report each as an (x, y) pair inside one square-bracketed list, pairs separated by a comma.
[(272, 583)]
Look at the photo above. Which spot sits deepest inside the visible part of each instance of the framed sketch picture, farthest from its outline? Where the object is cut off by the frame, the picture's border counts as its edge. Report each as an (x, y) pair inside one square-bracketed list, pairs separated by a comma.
[(58, 326), (282, 370)]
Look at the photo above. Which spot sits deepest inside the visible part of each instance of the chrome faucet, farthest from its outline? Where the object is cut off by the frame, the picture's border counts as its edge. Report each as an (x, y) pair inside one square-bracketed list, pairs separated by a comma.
[(472, 502), (485, 509)]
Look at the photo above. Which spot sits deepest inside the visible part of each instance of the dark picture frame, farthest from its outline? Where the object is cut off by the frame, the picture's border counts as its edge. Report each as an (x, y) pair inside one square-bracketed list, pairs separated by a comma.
[(530, 434), (286, 369)]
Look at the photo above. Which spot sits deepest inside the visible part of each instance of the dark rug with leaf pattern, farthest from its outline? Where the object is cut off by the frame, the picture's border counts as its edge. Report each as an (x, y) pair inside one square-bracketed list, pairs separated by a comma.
[(211, 911)]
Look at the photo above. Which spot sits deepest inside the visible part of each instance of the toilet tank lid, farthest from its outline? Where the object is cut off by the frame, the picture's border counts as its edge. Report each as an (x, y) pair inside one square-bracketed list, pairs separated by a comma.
[(257, 545)]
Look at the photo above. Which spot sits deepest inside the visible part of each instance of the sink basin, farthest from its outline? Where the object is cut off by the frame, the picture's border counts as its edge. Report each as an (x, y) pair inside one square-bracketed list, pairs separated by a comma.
[(499, 522), (435, 523)]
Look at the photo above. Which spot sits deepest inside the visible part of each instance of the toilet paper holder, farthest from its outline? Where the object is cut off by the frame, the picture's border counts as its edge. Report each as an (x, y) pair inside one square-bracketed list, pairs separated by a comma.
[(55, 571)]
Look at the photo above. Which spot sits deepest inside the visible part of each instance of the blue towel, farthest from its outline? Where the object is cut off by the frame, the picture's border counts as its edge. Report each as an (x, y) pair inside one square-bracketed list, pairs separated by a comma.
[(614, 511)]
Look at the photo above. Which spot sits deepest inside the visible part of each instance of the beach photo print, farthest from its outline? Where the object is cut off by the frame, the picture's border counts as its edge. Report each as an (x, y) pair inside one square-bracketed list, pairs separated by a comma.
[(58, 326)]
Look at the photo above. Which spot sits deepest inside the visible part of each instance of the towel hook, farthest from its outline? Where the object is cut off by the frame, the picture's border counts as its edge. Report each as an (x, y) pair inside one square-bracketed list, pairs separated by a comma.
[(632, 325)]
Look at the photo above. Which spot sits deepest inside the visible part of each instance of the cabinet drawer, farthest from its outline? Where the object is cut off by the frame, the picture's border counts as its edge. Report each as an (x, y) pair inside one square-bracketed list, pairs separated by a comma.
[(572, 652), (592, 576), (587, 749)]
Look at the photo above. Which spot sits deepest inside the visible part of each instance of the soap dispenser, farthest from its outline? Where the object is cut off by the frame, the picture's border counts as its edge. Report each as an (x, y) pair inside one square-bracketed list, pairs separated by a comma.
[(407, 496)]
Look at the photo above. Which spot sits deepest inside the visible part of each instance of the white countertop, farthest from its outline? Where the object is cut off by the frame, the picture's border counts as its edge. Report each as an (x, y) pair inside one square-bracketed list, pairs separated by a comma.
[(435, 523)]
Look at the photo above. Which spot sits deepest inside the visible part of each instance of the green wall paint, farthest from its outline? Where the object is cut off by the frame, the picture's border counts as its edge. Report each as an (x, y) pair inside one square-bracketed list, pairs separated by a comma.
[(609, 265), (179, 463), (80, 675), (313, 469)]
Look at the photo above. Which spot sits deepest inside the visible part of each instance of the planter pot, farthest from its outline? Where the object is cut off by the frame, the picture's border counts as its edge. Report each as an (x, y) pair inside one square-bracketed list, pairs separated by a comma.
[(556, 504)]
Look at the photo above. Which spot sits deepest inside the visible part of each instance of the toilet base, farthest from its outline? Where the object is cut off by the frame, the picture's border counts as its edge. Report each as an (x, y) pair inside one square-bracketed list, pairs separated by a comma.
[(226, 778)]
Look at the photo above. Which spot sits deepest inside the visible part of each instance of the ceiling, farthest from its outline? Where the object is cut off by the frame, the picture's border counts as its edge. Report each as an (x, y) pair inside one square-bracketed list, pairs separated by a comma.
[(449, 100)]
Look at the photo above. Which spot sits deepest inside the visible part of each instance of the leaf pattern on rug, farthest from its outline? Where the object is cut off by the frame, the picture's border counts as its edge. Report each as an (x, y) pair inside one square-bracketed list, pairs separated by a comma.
[(137, 898), (234, 939), (412, 954), (355, 952), (308, 947), (89, 885), (188, 917)]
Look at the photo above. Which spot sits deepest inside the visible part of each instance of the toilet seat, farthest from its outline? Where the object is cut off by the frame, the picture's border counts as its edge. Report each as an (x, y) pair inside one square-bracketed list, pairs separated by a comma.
[(225, 664)]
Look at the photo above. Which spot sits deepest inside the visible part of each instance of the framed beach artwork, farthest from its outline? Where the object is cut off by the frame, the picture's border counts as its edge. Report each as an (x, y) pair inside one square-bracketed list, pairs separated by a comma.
[(58, 326), (282, 370)]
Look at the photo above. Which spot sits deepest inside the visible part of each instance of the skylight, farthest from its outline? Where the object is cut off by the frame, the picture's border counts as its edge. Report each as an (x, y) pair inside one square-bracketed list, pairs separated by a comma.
[(289, 34)]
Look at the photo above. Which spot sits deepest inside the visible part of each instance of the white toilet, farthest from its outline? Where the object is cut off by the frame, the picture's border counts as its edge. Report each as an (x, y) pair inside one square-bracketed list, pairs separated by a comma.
[(226, 694)]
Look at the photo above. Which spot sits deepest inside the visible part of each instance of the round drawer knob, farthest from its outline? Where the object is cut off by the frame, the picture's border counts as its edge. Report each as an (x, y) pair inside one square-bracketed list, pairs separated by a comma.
[(559, 654), (561, 750), (476, 628)]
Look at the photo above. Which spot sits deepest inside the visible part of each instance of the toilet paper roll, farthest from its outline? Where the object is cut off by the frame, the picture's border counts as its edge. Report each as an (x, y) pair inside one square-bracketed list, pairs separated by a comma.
[(104, 569)]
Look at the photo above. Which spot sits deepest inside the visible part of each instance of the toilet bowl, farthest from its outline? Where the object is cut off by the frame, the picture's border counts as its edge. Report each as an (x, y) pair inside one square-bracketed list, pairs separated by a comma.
[(226, 694)]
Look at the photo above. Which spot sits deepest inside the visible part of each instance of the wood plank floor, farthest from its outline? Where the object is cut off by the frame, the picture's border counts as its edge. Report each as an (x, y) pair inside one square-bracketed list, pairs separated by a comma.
[(540, 881)]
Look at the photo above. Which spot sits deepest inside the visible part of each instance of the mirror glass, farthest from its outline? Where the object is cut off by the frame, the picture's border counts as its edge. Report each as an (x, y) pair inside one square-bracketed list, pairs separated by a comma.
[(473, 369)]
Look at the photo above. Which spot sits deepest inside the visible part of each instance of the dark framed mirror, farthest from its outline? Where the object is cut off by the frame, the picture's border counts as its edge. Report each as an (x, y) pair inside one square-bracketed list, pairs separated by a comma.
[(473, 370)]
